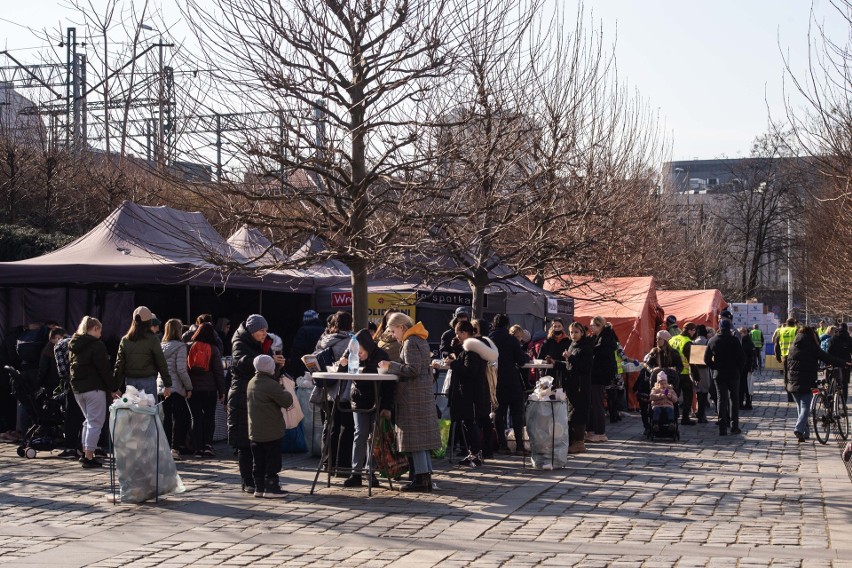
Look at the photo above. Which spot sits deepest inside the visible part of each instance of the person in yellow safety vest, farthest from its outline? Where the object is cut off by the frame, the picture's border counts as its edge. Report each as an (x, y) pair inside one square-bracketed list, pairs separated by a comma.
[(682, 344), (759, 342), (615, 391), (782, 342), (822, 329)]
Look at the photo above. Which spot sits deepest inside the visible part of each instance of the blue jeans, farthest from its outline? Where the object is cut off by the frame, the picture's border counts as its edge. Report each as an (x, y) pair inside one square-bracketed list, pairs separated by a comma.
[(422, 461), (659, 410), (363, 422), (803, 401)]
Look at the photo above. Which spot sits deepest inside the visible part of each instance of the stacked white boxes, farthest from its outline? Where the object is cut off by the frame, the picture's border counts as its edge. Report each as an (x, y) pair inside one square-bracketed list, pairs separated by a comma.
[(747, 315)]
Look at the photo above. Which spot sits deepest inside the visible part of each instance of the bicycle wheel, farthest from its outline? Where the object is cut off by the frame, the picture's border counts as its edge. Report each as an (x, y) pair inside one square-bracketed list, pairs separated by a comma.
[(821, 418), (841, 417)]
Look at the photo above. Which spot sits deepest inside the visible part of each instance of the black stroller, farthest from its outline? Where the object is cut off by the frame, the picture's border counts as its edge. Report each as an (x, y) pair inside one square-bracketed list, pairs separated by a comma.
[(46, 412), (662, 427)]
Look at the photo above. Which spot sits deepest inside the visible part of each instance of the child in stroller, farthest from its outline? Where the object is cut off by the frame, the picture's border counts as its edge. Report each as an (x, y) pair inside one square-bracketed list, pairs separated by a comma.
[(45, 411), (663, 402)]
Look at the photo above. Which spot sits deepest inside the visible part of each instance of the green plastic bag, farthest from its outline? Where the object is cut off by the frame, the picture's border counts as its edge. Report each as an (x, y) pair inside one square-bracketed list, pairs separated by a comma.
[(444, 427)]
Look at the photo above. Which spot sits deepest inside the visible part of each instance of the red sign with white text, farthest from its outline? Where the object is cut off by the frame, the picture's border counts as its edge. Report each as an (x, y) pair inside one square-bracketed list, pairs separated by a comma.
[(341, 299)]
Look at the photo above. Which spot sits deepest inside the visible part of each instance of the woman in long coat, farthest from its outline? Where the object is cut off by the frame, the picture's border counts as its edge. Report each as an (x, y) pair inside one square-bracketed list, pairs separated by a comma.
[(416, 422)]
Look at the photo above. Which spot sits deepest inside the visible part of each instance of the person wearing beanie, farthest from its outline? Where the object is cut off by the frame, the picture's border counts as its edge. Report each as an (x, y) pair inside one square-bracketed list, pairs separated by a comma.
[(140, 357), (661, 357), (249, 341), (663, 399), (725, 356), (671, 326), (304, 342), (265, 398)]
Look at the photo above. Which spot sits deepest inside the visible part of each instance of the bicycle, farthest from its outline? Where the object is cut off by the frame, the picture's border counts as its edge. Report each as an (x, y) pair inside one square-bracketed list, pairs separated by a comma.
[(829, 407)]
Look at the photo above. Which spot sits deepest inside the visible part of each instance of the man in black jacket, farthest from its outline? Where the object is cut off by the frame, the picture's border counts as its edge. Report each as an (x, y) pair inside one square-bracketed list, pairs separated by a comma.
[(840, 346), (510, 387), (304, 342), (449, 343), (725, 355)]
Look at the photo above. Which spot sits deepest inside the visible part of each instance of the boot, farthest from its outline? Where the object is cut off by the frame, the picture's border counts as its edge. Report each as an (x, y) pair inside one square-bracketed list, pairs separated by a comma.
[(577, 447), (702, 408), (686, 420), (748, 405), (422, 484)]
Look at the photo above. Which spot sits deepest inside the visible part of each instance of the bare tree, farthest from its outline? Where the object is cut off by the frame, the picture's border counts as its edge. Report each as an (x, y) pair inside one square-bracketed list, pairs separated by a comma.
[(345, 81)]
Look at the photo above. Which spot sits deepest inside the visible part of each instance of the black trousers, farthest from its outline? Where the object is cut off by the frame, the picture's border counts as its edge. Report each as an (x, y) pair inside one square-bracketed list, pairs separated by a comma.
[(245, 458), (339, 452), (203, 407), (687, 389), (729, 409), (267, 463), (511, 403), (178, 420), (73, 424)]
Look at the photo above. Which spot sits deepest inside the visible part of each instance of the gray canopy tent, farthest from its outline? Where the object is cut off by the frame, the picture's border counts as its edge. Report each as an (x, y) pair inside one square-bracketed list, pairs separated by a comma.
[(137, 251)]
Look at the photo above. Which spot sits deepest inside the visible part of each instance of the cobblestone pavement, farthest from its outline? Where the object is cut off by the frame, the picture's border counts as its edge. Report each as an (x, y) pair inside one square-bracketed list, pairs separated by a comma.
[(757, 499)]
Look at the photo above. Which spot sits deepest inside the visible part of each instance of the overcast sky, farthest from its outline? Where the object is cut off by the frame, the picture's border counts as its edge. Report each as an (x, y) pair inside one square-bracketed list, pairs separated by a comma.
[(714, 68)]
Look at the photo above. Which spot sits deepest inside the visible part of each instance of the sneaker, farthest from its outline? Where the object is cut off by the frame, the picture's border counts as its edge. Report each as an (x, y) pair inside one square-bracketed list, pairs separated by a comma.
[(208, 452), (847, 452), (101, 453), (199, 454), (90, 463), (799, 436), (176, 455), (589, 437), (736, 430), (271, 493), (248, 488), (599, 438), (68, 454)]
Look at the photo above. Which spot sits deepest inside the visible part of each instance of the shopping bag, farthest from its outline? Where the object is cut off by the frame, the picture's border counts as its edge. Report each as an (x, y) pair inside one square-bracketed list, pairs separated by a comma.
[(389, 462), (311, 425), (293, 415), (444, 428), (294, 441)]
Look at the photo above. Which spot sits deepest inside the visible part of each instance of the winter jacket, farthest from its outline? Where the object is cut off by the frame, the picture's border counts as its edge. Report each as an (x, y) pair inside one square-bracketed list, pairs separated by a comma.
[(665, 358), (244, 350), (803, 363), (213, 379), (511, 357), (391, 346), (663, 396), (604, 368), (364, 392), (725, 355), (304, 343), (748, 353), (416, 420), (90, 368), (187, 337), (338, 342), (141, 359), (264, 399), (175, 353), (840, 346), (48, 374), (470, 396), (577, 378)]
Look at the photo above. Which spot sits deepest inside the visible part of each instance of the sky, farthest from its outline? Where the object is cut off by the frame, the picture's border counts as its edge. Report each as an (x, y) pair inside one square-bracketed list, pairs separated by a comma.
[(714, 69)]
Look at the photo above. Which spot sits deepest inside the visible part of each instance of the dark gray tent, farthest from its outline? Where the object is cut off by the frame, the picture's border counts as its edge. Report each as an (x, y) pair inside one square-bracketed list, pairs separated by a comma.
[(136, 247)]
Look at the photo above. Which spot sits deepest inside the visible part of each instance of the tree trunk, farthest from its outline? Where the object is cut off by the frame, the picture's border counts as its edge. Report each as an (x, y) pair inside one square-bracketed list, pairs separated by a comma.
[(360, 294)]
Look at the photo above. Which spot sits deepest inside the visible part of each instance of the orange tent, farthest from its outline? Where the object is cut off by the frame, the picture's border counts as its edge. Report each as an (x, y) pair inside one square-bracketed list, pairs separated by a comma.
[(697, 306), (629, 304)]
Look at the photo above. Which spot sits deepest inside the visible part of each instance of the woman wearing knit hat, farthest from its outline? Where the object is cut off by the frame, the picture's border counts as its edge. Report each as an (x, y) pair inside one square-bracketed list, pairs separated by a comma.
[(140, 356), (249, 341)]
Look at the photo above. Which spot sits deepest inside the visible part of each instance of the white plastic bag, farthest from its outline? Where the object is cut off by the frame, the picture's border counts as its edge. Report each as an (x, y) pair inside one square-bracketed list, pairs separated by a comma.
[(310, 423), (547, 428), (294, 414), (143, 460)]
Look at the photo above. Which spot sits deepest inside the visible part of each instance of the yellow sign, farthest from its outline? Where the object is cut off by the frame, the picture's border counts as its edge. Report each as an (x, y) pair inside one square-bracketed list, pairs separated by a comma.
[(378, 304)]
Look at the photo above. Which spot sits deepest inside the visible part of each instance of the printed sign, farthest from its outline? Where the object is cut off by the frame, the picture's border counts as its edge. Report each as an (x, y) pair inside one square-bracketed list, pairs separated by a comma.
[(449, 298), (378, 304), (341, 299)]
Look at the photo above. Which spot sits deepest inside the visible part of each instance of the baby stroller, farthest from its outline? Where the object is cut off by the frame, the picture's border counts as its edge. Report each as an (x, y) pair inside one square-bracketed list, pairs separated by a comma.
[(663, 427), (45, 411)]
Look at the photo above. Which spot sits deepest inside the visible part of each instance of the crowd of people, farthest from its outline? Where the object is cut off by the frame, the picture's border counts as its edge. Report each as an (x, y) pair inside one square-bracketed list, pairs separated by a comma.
[(195, 368)]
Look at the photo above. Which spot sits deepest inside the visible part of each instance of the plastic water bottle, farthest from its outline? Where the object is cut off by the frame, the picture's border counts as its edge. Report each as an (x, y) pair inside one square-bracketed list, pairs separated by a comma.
[(354, 356)]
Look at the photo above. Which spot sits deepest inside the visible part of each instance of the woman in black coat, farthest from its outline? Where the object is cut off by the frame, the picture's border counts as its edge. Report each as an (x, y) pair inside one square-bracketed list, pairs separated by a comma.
[(604, 370), (840, 345), (802, 368), (249, 341), (577, 384), (470, 395)]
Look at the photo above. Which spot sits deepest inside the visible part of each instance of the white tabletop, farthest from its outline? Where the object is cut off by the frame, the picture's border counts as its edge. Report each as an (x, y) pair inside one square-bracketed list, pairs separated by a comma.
[(358, 377), (537, 366)]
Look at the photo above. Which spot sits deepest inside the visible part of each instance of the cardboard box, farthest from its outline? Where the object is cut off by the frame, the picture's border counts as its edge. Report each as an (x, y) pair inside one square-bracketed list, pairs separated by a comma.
[(755, 308), (696, 354)]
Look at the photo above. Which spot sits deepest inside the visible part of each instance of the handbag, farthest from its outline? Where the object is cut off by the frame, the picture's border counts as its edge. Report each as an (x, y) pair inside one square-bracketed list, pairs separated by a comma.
[(389, 462), (293, 415)]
